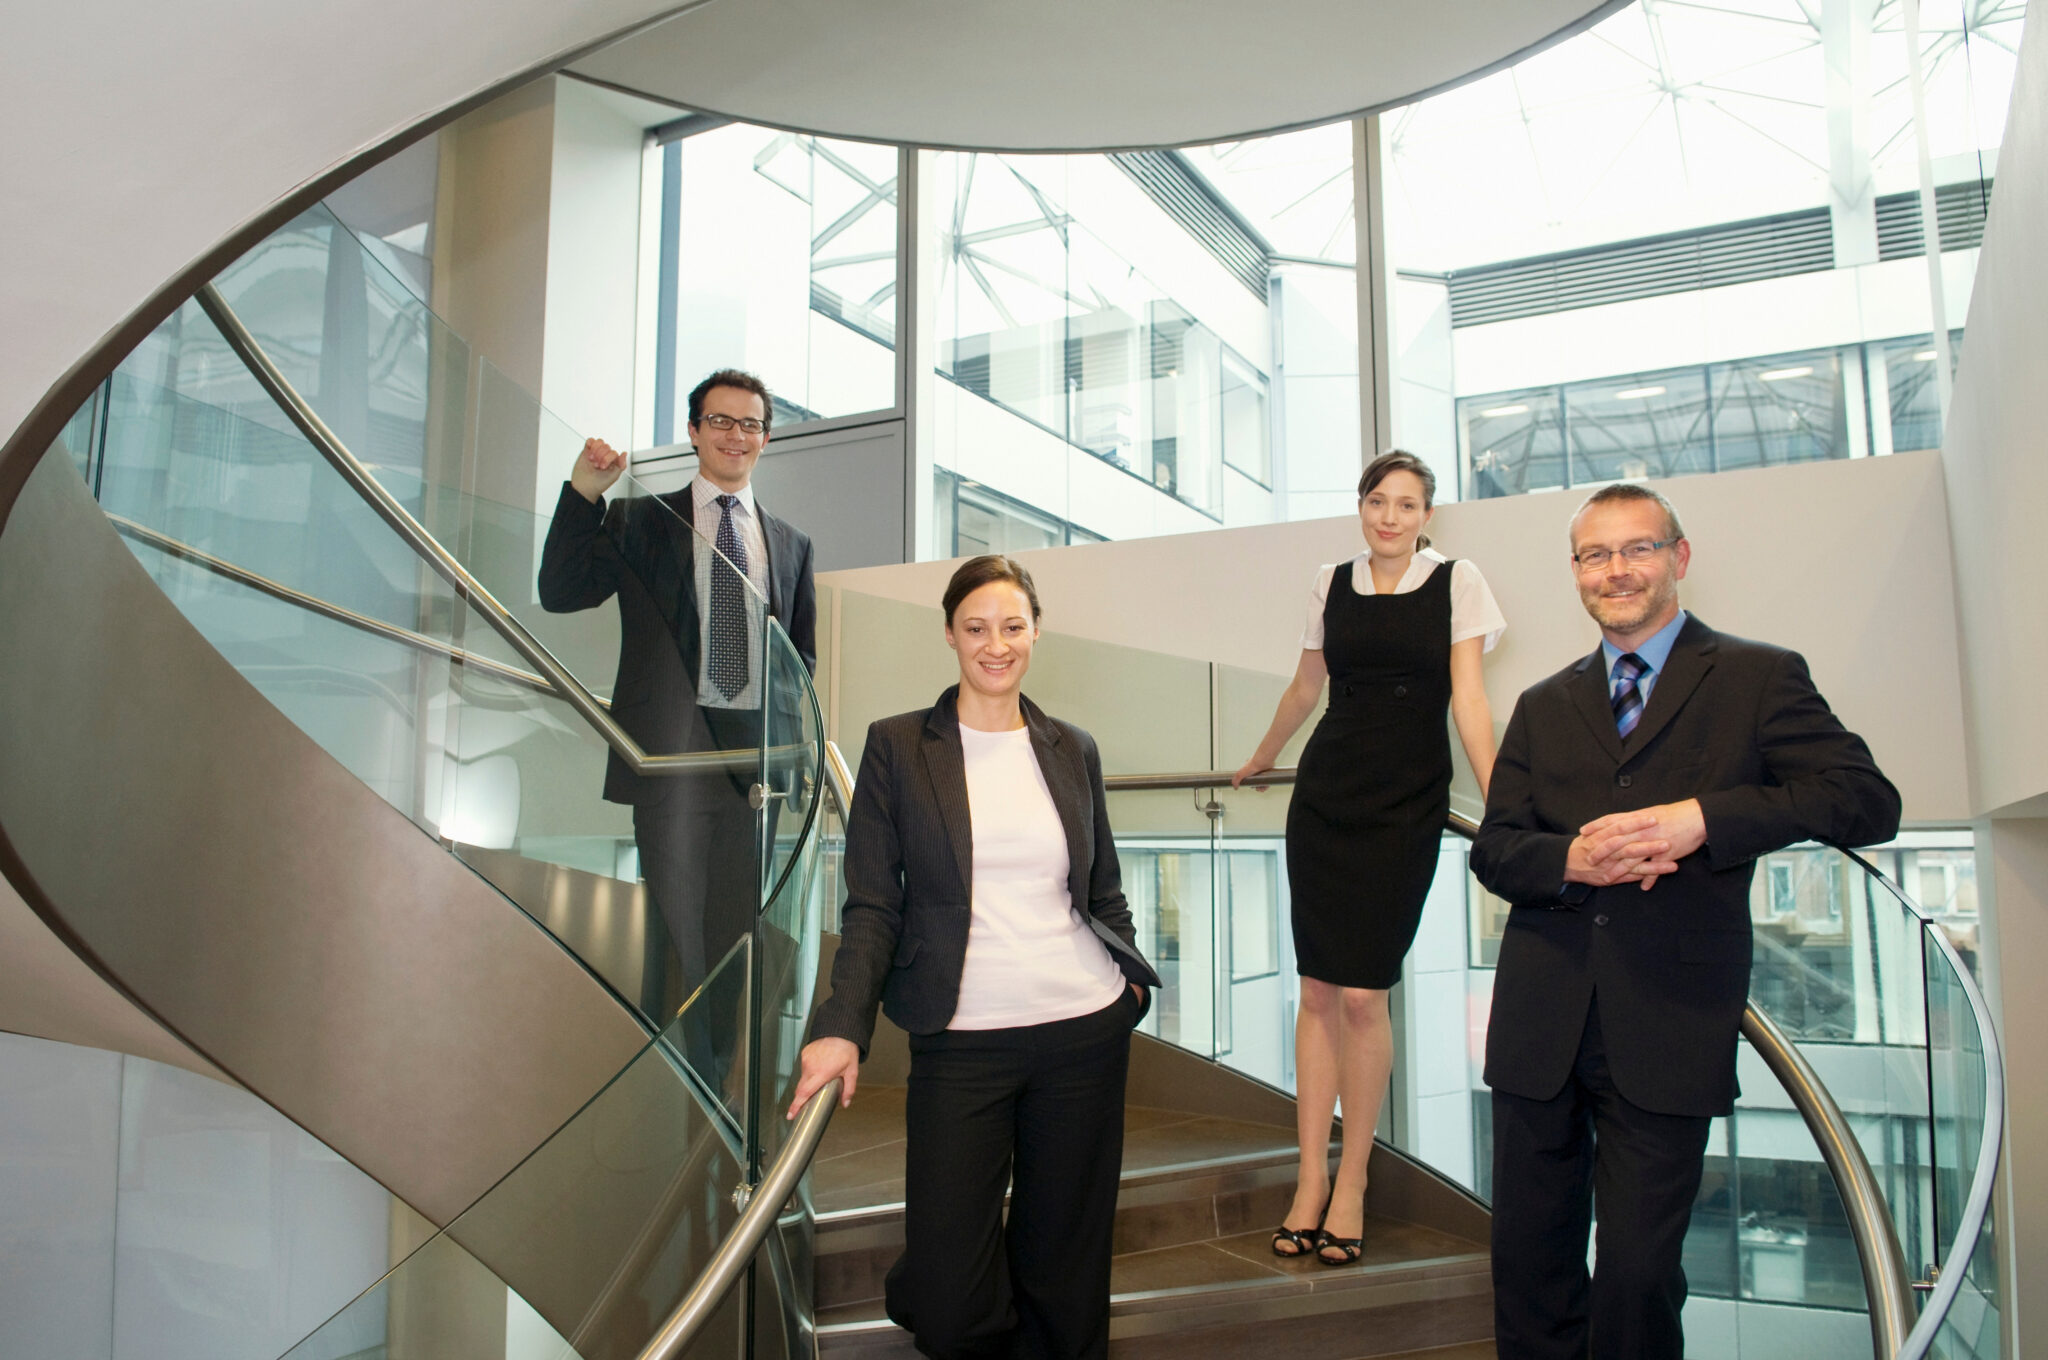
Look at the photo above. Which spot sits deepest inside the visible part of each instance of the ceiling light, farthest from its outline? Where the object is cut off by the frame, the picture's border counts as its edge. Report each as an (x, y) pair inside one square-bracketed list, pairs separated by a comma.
[(1780, 374), (1517, 409), (1637, 393), (1925, 356)]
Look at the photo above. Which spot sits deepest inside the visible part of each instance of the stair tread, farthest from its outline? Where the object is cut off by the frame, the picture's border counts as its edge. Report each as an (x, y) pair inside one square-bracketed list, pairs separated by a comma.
[(860, 1163), (1196, 1272)]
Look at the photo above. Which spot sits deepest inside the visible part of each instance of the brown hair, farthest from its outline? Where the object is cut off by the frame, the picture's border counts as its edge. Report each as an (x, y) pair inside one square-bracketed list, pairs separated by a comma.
[(977, 572), (1627, 491), (733, 377), (1400, 460)]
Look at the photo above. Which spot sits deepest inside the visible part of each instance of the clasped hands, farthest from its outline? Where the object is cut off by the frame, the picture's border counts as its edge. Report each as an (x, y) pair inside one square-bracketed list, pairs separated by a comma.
[(1643, 845)]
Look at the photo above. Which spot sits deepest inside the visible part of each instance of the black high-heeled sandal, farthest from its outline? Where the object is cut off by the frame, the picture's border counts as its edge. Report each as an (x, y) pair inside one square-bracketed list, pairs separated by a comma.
[(1303, 1240), (1352, 1247)]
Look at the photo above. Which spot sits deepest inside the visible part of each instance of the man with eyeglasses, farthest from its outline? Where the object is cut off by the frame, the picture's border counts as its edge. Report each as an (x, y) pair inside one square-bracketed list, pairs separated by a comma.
[(1633, 793), (691, 611)]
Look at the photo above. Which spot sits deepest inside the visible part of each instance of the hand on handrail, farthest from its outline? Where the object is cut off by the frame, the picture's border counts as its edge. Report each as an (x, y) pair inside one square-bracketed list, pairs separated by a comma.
[(1251, 768), (824, 1059)]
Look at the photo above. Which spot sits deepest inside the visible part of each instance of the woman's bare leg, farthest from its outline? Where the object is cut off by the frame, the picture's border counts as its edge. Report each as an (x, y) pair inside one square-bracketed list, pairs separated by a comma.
[(1365, 1059), (1317, 1043)]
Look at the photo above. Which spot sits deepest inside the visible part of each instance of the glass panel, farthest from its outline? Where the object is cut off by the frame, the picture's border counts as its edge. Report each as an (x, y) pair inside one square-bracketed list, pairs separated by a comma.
[(1957, 1073), (786, 935), (583, 1249)]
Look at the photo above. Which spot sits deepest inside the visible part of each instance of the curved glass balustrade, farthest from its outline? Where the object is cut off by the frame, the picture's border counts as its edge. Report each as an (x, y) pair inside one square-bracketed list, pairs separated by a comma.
[(1868, 986), (348, 536)]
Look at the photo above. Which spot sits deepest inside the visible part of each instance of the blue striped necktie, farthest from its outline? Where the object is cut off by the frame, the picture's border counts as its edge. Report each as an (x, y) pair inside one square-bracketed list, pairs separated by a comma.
[(1628, 700)]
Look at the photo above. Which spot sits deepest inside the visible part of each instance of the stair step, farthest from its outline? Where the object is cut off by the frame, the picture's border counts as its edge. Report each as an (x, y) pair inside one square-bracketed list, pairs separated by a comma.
[(1415, 1288)]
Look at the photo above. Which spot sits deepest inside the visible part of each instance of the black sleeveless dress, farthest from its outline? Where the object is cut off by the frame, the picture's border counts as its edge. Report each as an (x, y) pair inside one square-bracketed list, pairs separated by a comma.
[(1374, 786)]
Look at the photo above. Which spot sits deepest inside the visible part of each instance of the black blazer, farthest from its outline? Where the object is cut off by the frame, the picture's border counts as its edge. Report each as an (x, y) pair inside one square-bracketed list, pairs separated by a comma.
[(910, 865), (1740, 726), (643, 553)]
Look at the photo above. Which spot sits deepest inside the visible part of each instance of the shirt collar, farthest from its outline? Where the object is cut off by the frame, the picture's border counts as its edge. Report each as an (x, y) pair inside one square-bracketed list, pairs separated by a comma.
[(705, 493), (1424, 561), (1654, 652)]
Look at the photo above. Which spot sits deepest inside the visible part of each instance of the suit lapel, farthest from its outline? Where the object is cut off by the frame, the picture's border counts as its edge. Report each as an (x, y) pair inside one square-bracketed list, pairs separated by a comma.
[(946, 768), (1590, 697), (1067, 780), (1692, 656), (679, 596), (773, 533)]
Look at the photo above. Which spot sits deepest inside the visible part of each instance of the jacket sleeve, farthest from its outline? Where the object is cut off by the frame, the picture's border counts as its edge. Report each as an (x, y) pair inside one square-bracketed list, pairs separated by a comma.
[(871, 922), (1106, 901), (580, 565), (1823, 784), (803, 611), (1514, 855)]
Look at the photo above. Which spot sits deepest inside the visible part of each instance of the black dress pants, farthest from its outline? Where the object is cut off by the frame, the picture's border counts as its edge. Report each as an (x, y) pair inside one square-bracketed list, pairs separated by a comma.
[(1559, 1163), (1037, 1110), (700, 857)]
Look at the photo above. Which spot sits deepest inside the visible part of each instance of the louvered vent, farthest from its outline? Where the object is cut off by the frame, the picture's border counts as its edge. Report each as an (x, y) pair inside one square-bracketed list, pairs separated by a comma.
[(1737, 252), (1168, 181), (1960, 207)]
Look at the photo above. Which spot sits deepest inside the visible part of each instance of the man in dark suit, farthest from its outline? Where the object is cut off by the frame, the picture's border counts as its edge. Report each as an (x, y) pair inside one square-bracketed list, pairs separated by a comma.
[(1633, 793), (690, 654)]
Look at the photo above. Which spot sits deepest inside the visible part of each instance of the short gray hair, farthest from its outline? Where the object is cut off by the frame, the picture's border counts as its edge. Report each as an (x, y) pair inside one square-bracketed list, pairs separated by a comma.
[(1627, 491)]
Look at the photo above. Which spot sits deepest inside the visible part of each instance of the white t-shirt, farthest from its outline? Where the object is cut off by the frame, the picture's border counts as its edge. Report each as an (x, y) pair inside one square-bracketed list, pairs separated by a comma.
[(1030, 957), (1474, 611)]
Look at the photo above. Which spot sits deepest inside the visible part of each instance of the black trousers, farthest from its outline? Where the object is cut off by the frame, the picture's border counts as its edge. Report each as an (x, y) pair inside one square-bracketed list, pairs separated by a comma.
[(700, 857), (1037, 1110), (1559, 1163)]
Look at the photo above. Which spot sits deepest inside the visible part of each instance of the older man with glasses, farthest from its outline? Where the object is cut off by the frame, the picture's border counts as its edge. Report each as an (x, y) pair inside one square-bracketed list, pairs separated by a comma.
[(1633, 794)]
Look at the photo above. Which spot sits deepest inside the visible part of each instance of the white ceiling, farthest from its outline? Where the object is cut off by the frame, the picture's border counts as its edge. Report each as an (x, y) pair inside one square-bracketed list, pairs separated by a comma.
[(1070, 75)]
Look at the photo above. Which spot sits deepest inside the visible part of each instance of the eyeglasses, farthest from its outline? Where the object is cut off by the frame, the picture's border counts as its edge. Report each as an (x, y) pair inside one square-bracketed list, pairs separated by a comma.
[(1592, 559), (723, 423)]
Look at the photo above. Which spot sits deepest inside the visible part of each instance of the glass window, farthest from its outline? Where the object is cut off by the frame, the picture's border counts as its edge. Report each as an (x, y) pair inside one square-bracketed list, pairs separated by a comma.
[(1245, 445), (1658, 203), (780, 259)]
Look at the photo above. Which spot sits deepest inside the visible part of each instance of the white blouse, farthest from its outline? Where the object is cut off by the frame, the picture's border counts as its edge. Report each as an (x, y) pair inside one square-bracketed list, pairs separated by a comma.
[(1031, 959), (1474, 611)]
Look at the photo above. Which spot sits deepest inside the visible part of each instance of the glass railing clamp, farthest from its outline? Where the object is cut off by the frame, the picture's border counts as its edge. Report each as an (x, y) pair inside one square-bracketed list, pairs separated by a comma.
[(742, 1195), (758, 796)]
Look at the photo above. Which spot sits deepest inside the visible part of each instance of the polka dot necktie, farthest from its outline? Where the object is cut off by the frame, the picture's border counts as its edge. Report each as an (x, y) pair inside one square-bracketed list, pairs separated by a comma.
[(727, 665), (1628, 700)]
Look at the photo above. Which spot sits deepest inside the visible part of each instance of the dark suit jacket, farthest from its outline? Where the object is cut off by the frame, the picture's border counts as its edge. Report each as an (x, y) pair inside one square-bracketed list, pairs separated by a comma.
[(1736, 724), (644, 553), (909, 869)]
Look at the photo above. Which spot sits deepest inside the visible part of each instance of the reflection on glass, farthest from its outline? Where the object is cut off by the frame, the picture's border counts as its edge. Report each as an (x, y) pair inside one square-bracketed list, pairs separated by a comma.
[(583, 1249)]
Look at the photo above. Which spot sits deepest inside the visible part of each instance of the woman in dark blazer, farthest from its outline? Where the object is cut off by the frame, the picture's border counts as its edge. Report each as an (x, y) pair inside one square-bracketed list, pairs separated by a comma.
[(985, 912)]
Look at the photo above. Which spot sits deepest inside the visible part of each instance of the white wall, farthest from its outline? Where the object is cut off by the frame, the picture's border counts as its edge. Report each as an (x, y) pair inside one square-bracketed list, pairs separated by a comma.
[(148, 1213), (1845, 561), (1997, 493)]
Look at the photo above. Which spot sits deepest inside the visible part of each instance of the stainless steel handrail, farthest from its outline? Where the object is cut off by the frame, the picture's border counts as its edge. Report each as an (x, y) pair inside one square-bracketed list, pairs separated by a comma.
[(736, 758), (838, 779), (1886, 1280), (764, 1206), (327, 609), (416, 537), (1887, 1284)]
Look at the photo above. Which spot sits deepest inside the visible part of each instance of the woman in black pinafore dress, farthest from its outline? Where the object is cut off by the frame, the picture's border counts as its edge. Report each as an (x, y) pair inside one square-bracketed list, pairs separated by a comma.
[(1399, 650)]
